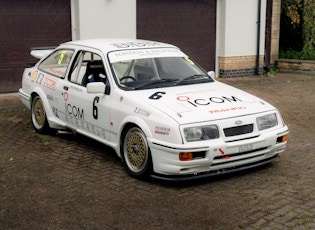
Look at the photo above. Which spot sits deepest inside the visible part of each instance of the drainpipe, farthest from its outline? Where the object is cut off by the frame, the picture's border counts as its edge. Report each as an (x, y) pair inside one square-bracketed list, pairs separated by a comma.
[(258, 37)]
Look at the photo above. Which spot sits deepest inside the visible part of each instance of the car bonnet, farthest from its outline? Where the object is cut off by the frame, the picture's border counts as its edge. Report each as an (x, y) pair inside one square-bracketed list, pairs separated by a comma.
[(202, 102)]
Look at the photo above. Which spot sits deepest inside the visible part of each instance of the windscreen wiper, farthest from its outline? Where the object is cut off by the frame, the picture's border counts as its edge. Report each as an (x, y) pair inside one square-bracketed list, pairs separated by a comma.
[(192, 78), (156, 82)]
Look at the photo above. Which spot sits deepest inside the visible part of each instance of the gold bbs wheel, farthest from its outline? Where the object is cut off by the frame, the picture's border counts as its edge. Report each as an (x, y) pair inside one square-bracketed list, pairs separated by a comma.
[(136, 153), (39, 119)]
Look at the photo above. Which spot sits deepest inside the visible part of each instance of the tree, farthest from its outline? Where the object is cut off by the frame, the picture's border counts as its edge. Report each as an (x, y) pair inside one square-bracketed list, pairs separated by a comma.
[(308, 51), (298, 27)]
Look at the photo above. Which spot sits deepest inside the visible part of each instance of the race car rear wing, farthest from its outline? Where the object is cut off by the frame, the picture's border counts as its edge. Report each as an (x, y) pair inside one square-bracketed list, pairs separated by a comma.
[(40, 52)]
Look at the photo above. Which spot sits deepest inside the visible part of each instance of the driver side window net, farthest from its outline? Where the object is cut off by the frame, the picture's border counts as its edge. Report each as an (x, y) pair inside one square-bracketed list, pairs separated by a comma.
[(88, 67)]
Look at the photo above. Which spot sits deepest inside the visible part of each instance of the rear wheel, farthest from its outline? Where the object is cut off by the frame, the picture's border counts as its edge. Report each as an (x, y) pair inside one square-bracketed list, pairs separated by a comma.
[(38, 115), (136, 153)]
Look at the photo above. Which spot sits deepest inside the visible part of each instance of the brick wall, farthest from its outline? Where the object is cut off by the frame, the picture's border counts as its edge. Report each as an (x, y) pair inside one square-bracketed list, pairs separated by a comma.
[(239, 66), (246, 65), (275, 31), (291, 64)]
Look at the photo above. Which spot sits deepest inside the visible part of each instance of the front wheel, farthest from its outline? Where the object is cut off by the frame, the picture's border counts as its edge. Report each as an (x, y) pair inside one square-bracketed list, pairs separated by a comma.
[(136, 153), (38, 115)]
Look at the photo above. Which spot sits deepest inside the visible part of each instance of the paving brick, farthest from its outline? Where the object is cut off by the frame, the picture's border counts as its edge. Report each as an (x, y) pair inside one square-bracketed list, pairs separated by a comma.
[(72, 182)]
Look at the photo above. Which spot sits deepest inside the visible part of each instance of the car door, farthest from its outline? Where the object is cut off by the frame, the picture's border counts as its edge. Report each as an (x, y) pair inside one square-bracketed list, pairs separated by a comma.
[(87, 113)]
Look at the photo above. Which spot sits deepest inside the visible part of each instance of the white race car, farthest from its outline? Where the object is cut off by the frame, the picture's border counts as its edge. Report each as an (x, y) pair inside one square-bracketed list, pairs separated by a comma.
[(161, 112)]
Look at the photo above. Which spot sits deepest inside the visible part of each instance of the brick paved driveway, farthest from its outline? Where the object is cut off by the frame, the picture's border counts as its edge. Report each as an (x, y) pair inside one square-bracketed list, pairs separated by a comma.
[(71, 182)]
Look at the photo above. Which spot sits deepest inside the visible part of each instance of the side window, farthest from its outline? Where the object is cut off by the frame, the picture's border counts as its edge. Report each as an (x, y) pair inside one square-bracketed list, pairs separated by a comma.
[(57, 63), (87, 68)]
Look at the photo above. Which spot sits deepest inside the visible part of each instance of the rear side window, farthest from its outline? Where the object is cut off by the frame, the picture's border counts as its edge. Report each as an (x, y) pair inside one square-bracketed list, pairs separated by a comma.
[(57, 63)]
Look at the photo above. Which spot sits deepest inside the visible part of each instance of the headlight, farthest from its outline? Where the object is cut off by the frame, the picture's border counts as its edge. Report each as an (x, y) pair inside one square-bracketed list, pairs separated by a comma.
[(266, 122), (201, 133)]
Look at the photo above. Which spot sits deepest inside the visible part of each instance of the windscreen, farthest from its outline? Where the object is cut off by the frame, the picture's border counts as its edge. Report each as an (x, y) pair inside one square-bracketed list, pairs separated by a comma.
[(155, 68)]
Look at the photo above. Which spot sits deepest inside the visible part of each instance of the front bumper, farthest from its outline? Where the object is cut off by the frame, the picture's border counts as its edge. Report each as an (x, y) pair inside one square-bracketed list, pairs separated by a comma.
[(219, 157), (217, 172)]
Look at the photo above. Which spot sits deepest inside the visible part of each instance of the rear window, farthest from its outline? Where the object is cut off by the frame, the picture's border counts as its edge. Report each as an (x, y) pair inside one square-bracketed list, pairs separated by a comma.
[(56, 64)]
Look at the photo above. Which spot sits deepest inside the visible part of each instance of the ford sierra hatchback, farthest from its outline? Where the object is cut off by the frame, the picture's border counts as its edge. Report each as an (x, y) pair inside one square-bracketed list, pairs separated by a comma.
[(157, 108)]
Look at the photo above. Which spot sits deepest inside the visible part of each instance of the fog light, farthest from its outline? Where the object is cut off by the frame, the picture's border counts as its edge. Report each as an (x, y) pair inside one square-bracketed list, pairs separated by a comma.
[(187, 156), (282, 138)]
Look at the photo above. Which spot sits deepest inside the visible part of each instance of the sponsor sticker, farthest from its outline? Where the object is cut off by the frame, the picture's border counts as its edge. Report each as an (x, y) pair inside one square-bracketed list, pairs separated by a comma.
[(124, 55), (50, 82), (34, 75), (57, 72), (208, 101), (75, 88), (65, 96), (228, 109), (162, 130), (141, 112), (40, 78), (50, 97)]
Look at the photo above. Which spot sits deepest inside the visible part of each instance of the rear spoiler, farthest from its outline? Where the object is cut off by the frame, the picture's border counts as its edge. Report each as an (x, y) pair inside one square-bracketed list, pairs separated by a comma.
[(40, 52)]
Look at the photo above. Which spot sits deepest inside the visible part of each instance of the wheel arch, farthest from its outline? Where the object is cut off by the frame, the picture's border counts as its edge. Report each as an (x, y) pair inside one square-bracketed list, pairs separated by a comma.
[(129, 123), (43, 97), (145, 169)]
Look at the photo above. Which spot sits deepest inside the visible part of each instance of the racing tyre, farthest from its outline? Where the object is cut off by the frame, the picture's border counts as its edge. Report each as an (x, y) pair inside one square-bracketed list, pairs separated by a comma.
[(136, 153), (38, 113)]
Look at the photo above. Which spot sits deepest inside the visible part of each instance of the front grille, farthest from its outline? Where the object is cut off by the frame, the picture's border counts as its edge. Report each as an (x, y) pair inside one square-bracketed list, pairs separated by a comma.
[(238, 130)]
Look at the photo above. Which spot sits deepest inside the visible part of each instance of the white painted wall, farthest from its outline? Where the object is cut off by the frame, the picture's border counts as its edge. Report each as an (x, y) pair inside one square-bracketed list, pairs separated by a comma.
[(103, 19), (237, 27), (236, 23)]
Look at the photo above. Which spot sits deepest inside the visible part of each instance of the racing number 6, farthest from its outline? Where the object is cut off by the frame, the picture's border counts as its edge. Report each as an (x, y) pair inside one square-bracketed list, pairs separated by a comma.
[(157, 95), (95, 109)]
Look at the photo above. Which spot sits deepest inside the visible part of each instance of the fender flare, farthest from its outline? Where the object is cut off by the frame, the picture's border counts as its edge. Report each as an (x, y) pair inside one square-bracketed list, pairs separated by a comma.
[(137, 121)]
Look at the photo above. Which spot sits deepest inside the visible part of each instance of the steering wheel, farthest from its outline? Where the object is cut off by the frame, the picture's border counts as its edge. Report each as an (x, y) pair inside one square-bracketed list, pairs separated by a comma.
[(125, 78)]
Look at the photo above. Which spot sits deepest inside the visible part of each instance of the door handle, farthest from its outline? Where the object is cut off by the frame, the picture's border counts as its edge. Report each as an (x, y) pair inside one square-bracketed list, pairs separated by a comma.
[(65, 87)]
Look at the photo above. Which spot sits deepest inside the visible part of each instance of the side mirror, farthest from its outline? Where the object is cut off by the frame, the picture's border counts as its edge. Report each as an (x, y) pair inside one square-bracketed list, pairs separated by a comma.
[(211, 74), (96, 87)]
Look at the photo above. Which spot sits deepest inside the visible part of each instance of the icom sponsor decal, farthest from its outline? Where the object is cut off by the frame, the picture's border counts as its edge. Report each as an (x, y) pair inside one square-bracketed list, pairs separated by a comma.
[(74, 111), (49, 82), (208, 101)]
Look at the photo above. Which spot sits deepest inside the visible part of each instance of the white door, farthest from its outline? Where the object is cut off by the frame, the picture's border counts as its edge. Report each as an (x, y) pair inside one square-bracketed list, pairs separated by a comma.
[(87, 113)]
